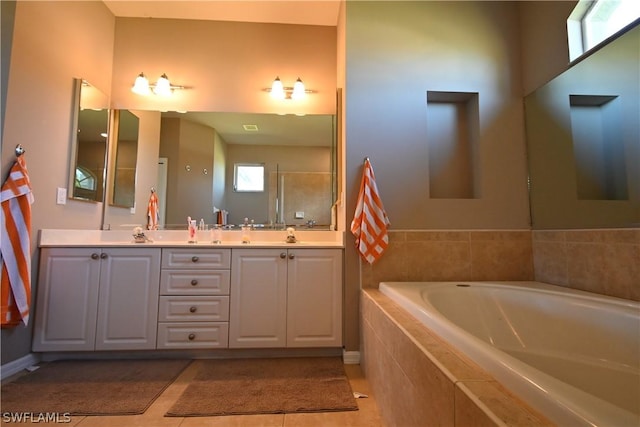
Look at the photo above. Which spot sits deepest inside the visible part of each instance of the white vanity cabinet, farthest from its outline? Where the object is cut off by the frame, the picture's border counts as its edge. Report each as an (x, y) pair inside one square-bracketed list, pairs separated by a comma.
[(286, 298), (97, 299), (194, 298)]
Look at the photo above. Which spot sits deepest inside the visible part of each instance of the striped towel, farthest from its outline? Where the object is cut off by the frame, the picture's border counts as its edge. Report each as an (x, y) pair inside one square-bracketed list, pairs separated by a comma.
[(370, 221), (153, 213), (16, 199)]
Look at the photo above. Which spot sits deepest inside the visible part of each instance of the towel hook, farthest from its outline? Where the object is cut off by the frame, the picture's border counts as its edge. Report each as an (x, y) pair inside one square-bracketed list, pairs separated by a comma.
[(20, 150)]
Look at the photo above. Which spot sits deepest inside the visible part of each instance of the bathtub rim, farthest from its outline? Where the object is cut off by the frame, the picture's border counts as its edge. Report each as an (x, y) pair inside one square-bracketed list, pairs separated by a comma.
[(532, 391)]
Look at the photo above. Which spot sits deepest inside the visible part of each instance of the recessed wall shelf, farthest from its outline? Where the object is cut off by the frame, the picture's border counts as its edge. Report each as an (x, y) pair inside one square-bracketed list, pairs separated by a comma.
[(453, 132), (598, 148)]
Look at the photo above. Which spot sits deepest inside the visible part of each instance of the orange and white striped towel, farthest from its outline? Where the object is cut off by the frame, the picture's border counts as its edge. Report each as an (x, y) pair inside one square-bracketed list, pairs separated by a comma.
[(153, 212), (370, 220), (16, 199)]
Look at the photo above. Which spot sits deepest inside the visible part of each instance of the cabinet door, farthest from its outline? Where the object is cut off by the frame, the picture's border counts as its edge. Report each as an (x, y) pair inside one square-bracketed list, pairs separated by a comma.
[(67, 299), (314, 298), (258, 298), (128, 301)]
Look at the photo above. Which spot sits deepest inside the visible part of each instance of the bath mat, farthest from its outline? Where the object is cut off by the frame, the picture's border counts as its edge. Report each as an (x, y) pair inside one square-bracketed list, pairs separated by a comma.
[(266, 386), (91, 387)]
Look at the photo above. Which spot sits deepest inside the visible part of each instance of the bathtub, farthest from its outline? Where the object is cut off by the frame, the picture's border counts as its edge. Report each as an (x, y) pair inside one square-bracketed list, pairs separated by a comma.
[(572, 355)]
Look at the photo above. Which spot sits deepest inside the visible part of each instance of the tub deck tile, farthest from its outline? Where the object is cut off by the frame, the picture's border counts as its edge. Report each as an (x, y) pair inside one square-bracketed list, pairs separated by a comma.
[(411, 359)]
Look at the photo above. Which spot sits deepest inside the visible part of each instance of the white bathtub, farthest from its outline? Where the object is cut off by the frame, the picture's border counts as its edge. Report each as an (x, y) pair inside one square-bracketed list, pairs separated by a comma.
[(572, 355)]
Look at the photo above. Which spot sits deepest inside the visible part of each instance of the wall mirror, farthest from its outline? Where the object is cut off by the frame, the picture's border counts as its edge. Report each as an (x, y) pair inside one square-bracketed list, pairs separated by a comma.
[(89, 143), (124, 177), (200, 151), (583, 141)]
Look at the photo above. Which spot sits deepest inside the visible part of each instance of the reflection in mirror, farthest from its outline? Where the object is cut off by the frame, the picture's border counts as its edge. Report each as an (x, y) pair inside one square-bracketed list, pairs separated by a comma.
[(203, 148), (583, 141), (89, 143), (124, 182)]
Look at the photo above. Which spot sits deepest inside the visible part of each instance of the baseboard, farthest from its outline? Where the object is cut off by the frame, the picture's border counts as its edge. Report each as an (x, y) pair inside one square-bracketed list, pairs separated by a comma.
[(351, 357), (15, 366)]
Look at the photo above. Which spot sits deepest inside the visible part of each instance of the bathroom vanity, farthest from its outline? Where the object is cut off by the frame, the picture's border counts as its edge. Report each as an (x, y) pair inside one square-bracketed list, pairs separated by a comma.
[(98, 290)]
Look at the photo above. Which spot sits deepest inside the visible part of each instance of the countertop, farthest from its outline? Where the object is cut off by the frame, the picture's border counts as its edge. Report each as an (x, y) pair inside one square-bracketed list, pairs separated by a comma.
[(179, 238)]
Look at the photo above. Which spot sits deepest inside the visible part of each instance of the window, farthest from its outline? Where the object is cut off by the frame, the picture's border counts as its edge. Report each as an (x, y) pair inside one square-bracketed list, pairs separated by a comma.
[(85, 179), (248, 177), (594, 21)]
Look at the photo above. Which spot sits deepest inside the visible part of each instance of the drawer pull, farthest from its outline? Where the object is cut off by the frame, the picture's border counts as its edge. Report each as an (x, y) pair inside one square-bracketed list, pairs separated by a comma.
[(194, 259), (291, 256), (283, 255), (192, 337), (193, 309), (95, 256), (103, 256), (194, 282)]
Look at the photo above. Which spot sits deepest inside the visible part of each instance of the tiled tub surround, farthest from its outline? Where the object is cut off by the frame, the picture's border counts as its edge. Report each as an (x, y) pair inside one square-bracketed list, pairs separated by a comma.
[(416, 256), (573, 355), (604, 261), (419, 380)]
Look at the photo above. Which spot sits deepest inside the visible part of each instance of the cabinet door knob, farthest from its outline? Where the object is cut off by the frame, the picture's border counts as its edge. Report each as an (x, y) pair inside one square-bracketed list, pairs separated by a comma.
[(283, 255), (291, 256), (194, 259), (193, 309), (194, 282), (192, 337), (95, 256), (103, 256)]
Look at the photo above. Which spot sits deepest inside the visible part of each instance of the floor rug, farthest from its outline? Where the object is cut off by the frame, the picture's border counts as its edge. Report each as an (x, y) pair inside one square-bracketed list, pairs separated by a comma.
[(91, 387), (266, 386)]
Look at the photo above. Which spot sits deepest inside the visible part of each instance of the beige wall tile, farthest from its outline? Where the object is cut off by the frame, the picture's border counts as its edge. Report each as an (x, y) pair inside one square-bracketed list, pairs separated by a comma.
[(550, 261), (502, 259)]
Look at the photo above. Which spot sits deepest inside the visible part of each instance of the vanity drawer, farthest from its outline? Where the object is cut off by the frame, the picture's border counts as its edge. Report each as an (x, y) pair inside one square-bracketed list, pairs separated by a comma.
[(193, 335), (195, 282), (193, 309), (196, 258)]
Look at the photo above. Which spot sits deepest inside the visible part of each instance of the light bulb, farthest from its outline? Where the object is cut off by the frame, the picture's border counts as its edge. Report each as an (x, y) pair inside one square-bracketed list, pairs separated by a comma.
[(163, 86), (277, 90), (141, 85), (298, 90)]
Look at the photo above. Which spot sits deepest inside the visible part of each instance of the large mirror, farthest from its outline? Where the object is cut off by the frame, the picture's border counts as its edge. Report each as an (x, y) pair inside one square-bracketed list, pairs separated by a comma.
[(198, 154), (292, 154), (89, 143), (583, 141)]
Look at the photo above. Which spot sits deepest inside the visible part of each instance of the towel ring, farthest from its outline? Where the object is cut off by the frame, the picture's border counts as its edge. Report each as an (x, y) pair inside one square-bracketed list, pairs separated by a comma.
[(20, 150)]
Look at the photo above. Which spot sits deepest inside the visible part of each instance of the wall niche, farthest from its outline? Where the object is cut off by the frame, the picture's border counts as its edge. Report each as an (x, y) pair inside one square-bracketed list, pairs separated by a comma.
[(598, 150), (452, 140)]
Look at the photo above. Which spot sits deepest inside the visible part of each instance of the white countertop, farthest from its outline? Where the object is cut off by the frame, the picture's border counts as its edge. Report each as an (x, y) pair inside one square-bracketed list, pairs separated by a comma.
[(179, 238)]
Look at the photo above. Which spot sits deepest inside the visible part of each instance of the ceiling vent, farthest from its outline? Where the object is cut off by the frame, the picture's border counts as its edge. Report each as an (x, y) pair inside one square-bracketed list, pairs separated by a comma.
[(250, 128)]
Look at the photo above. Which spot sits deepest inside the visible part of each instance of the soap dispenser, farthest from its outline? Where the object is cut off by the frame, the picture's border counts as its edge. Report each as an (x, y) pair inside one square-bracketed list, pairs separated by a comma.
[(246, 231)]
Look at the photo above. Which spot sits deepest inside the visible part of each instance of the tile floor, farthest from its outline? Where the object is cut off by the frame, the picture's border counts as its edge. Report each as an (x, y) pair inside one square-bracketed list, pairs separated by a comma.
[(367, 414)]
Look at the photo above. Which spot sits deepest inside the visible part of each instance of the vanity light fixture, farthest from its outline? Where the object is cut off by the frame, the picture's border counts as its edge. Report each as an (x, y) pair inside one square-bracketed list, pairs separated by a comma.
[(296, 92), (162, 87)]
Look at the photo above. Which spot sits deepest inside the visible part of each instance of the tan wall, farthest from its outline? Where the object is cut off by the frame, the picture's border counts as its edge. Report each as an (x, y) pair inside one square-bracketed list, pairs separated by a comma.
[(53, 43), (395, 53), (225, 64)]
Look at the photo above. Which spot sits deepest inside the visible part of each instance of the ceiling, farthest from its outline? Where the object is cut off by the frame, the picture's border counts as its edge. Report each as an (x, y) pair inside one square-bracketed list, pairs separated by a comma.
[(272, 129), (302, 12)]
